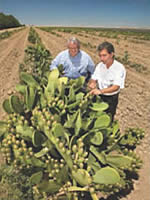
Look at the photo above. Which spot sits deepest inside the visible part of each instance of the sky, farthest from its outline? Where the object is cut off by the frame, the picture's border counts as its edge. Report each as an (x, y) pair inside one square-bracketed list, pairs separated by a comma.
[(99, 13)]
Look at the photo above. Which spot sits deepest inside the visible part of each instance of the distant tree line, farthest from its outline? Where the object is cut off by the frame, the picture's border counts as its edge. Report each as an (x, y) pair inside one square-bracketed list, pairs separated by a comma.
[(8, 21)]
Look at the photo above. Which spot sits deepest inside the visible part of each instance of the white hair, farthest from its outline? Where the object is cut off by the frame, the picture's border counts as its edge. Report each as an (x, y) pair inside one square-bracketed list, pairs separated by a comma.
[(74, 41)]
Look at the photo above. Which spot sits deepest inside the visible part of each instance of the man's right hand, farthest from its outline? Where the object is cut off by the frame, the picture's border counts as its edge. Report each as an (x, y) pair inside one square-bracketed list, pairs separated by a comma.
[(92, 84)]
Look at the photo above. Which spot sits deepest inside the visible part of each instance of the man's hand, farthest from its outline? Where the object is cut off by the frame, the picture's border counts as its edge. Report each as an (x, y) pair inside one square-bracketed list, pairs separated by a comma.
[(91, 84), (95, 92)]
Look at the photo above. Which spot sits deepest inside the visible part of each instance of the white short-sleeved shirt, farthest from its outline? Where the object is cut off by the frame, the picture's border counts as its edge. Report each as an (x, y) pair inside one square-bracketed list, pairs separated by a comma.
[(106, 77)]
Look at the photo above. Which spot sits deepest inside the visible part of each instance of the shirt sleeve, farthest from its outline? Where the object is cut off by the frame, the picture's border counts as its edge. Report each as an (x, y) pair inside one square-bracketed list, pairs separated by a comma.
[(95, 74), (120, 78), (91, 65), (55, 62)]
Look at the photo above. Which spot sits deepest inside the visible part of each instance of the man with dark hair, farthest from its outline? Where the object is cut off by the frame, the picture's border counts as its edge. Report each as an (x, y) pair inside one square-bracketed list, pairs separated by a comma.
[(75, 62), (108, 78)]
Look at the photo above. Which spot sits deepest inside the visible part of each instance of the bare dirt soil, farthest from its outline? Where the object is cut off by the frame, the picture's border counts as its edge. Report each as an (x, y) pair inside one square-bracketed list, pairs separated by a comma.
[(134, 105), (11, 55)]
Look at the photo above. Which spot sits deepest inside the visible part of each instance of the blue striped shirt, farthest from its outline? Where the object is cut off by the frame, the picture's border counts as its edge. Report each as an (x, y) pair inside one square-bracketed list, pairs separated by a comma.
[(74, 67)]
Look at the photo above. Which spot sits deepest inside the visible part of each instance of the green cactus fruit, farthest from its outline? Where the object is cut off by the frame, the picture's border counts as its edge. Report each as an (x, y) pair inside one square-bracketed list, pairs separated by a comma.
[(61, 106), (82, 177), (36, 177), (58, 102), (74, 148), (97, 139), (99, 106), (16, 104), (80, 152), (106, 175), (7, 107), (29, 80)]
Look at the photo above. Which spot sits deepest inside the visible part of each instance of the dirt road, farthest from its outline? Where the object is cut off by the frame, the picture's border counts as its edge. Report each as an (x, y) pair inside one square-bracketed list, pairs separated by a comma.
[(11, 55)]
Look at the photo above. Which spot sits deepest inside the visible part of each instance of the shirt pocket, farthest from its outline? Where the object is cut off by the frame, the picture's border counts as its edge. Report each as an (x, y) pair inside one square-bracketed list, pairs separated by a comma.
[(67, 65), (111, 82), (110, 79)]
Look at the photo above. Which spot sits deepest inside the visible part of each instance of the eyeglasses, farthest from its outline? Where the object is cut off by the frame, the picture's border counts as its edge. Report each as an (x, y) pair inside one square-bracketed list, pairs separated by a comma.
[(76, 48)]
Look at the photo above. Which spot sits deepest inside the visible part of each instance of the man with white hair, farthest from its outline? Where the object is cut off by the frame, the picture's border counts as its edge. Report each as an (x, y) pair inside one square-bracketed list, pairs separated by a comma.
[(75, 62)]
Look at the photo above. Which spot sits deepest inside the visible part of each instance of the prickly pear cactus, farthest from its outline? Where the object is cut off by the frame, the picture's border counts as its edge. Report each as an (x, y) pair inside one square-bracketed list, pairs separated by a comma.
[(65, 136)]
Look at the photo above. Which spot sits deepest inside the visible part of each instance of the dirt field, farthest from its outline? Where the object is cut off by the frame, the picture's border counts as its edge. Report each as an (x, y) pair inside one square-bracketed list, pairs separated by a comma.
[(134, 105)]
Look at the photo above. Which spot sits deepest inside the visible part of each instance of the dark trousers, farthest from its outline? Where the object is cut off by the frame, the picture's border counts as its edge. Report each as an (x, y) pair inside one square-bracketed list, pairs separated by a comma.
[(112, 102)]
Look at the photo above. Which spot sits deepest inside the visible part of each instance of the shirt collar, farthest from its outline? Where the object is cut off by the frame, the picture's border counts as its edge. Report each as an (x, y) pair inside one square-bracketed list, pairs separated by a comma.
[(79, 52)]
